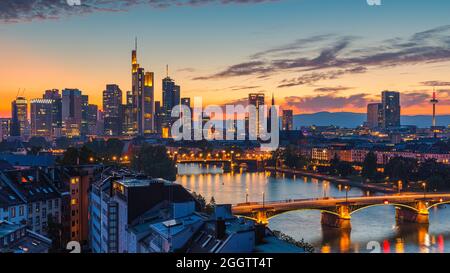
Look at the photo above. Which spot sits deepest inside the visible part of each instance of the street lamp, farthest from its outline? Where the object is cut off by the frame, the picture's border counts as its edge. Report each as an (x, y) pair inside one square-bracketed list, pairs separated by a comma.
[(264, 198), (424, 185), (246, 195), (346, 193), (400, 183)]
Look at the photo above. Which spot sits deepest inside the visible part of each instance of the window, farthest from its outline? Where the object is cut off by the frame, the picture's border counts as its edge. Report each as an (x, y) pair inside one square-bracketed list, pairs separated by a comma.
[(56, 203), (49, 204), (21, 210), (12, 212)]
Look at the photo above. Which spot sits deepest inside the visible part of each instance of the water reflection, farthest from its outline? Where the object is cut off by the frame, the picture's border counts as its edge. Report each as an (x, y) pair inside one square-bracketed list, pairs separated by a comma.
[(375, 224)]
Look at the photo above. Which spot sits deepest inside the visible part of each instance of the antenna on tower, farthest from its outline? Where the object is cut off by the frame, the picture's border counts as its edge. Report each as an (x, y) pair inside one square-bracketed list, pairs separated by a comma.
[(135, 43), (167, 70), (18, 92)]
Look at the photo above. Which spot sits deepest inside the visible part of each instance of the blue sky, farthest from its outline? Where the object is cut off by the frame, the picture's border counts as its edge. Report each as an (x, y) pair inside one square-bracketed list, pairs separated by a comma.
[(88, 49)]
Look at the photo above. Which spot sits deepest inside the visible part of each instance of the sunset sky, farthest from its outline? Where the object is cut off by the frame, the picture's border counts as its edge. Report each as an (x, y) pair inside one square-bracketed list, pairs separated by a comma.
[(314, 55)]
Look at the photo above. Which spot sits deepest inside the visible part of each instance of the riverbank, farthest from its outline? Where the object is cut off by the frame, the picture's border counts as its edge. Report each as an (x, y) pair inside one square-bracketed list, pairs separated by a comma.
[(337, 180)]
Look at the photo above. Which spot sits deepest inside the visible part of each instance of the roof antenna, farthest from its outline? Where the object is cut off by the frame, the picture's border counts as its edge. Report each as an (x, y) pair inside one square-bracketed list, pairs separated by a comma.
[(135, 43), (18, 92), (167, 70)]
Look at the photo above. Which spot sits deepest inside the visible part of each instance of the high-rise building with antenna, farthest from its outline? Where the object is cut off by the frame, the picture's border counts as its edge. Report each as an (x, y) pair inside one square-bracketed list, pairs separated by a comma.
[(142, 116)]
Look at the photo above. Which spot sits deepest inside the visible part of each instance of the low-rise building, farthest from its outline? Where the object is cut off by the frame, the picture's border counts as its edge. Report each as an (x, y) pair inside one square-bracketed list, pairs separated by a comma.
[(16, 238)]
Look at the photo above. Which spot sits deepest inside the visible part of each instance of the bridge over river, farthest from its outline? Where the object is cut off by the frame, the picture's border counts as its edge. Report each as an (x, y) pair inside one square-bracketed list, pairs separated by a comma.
[(410, 207)]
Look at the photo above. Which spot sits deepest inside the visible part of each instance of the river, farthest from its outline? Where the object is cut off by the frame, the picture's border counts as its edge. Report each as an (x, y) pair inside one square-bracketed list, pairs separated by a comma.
[(373, 229)]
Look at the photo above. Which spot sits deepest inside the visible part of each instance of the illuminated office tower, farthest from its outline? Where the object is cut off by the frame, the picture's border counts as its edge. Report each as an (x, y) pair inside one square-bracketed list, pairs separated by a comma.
[(41, 118), (5, 128), (287, 121), (112, 110), (148, 105), (92, 119), (19, 122), (158, 117), (170, 99), (128, 115), (71, 112), (84, 115), (391, 109), (142, 122), (257, 100), (55, 96), (374, 115)]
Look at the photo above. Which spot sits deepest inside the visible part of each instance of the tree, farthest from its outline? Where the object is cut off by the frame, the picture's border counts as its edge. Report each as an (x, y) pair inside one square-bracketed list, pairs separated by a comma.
[(369, 168), (74, 156), (154, 161), (334, 164), (62, 143), (38, 143), (209, 209), (293, 159), (401, 169), (344, 169), (201, 200)]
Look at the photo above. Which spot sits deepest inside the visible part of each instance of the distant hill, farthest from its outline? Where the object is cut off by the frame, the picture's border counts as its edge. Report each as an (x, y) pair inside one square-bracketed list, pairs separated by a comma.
[(352, 120)]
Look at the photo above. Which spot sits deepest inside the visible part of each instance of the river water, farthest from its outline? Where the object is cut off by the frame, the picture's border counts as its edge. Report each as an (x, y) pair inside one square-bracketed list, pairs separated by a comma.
[(373, 229)]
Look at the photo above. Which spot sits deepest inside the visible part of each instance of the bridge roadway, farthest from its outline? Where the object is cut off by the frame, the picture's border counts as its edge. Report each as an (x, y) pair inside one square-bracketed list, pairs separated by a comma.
[(413, 207)]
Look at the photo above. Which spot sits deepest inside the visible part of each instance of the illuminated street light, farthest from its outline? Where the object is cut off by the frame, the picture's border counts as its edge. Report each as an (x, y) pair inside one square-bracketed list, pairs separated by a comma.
[(346, 193), (264, 199), (424, 185)]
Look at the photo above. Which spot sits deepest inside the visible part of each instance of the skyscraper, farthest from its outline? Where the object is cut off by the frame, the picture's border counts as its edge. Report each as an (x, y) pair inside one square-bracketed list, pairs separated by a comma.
[(55, 96), (19, 122), (5, 127), (170, 95), (41, 117), (112, 108), (170, 99), (374, 115), (71, 112), (391, 109), (142, 98), (84, 115), (257, 100), (148, 104), (128, 114), (158, 117), (92, 119), (287, 121)]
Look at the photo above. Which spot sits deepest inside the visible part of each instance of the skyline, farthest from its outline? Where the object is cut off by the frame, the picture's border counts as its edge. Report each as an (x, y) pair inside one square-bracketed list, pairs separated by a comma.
[(337, 67)]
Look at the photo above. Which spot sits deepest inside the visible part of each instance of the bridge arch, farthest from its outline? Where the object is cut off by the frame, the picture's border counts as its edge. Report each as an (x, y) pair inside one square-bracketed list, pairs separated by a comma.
[(439, 204), (302, 209), (276, 214), (384, 205)]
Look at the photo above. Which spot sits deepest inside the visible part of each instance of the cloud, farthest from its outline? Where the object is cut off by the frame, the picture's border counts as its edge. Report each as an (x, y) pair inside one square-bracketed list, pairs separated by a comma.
[(238, 88), (336, 89), (414, 98), (343, 55), (435, 83), (15, 11), (327, 102), (310, 78)]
